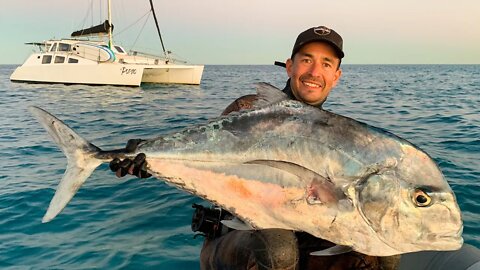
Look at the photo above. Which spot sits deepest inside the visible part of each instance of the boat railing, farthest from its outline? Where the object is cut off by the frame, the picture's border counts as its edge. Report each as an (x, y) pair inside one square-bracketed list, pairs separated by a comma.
[(156, 57)]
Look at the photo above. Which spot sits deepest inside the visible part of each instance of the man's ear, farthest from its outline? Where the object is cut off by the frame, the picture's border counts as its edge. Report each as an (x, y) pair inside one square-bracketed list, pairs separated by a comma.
[(338, 74), (288, 66)]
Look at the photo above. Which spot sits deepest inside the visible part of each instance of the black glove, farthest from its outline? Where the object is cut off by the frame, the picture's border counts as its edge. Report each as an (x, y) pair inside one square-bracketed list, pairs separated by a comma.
[(137, 166)]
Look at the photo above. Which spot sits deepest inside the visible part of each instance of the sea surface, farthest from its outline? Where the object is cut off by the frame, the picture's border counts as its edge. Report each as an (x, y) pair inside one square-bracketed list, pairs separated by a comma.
[(145, 224)]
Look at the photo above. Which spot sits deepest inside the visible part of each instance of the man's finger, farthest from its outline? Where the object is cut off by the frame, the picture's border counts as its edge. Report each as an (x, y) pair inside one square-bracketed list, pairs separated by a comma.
[(114, 164), (143, 173), (139, 159), (123, 167)]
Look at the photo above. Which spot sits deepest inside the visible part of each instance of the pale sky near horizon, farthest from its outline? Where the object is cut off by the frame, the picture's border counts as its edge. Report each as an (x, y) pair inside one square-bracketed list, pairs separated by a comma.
[(259, 31)]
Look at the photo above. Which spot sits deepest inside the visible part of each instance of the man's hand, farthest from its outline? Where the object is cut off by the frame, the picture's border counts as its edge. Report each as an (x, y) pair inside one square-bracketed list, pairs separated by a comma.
[(137, 166)]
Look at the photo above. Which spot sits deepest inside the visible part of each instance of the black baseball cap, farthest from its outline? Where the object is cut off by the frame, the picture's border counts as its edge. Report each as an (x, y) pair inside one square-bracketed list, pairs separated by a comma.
[(319, 33)]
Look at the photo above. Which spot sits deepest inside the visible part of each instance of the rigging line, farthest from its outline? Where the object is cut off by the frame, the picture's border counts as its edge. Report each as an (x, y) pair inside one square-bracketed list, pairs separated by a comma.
[(100, 9), (86, 15), (140, 32), (91, 2), (125, 29)]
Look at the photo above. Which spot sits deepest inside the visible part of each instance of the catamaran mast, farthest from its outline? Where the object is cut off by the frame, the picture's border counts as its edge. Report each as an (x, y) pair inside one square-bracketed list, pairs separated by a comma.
[(110, 39), (158, 29)]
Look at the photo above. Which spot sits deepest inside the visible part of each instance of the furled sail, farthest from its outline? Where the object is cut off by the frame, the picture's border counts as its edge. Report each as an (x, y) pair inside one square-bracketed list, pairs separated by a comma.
[(98, 29)]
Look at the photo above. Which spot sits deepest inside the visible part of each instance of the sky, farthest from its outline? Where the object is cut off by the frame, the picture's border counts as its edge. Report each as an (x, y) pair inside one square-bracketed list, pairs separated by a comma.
[(257, 31)]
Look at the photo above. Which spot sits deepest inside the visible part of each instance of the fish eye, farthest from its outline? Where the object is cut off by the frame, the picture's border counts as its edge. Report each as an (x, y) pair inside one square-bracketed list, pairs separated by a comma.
[(421, 198)]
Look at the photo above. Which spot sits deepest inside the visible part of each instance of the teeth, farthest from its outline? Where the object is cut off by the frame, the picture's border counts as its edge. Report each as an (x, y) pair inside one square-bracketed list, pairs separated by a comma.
[(311, 84)]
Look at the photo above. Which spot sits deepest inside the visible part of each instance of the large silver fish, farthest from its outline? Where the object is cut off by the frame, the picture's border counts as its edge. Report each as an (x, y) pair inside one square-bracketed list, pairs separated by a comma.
[(288, 165)]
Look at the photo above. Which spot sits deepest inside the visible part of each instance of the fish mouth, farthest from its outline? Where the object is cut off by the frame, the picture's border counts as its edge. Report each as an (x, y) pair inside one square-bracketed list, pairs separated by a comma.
[(457, 237), (450, 241)]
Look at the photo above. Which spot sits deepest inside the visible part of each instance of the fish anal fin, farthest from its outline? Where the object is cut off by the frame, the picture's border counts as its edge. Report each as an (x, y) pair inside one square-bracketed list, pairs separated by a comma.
[(332, 251), (236, 224)]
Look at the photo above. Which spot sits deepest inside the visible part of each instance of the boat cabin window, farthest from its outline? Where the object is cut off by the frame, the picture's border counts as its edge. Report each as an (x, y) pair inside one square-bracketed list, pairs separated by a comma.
[(59, 59), (119, 49), (64, 47), (47, 59), (54, 47), (72, 60)]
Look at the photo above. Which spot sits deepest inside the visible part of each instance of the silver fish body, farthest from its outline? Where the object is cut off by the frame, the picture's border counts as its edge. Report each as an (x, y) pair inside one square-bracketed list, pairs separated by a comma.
[(292, 166)]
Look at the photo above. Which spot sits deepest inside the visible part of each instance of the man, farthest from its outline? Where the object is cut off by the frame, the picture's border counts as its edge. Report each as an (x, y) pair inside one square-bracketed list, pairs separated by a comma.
[(313, 70)]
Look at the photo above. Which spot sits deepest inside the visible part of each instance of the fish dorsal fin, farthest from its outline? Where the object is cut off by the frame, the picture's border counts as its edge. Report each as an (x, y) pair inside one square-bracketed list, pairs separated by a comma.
[(332, 251), (268, 94)]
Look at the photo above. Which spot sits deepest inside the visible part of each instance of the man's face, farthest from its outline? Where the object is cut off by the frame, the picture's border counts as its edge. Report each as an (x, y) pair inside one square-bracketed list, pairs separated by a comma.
[(313, 72)]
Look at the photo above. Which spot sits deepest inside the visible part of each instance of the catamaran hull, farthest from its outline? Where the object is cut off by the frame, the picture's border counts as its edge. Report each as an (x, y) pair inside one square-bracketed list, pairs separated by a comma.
[(83, 72), (173, 74)]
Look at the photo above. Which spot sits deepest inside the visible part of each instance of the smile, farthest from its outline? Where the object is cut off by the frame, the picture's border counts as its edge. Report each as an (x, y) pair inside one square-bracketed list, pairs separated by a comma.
[(311, 84)]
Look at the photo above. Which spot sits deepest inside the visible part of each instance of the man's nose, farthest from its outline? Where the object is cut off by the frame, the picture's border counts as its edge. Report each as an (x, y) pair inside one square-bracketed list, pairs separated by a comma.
[(316, 70)]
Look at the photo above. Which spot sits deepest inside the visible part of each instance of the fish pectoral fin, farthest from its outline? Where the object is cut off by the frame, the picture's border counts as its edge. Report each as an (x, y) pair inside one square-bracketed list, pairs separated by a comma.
[(321, 192), (332, 251), (320, 189), (293, 168), (237, 224)]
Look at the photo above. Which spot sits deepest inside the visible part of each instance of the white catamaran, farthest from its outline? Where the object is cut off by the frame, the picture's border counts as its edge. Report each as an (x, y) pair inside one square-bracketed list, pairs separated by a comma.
[(99, 62)]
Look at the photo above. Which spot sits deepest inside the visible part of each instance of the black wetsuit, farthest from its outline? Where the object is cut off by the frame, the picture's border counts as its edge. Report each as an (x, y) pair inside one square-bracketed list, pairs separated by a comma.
[(288, 90)]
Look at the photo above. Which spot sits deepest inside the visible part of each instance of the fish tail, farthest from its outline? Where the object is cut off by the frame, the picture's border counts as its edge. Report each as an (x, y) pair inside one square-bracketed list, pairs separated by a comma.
[(82, 159)]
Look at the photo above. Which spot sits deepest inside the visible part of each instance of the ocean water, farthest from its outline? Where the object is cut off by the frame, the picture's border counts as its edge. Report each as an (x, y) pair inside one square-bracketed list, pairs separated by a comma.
[(144, 224)]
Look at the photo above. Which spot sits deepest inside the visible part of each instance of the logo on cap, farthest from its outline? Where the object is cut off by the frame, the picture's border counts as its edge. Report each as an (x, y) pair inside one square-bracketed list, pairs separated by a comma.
[(322, 31)]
